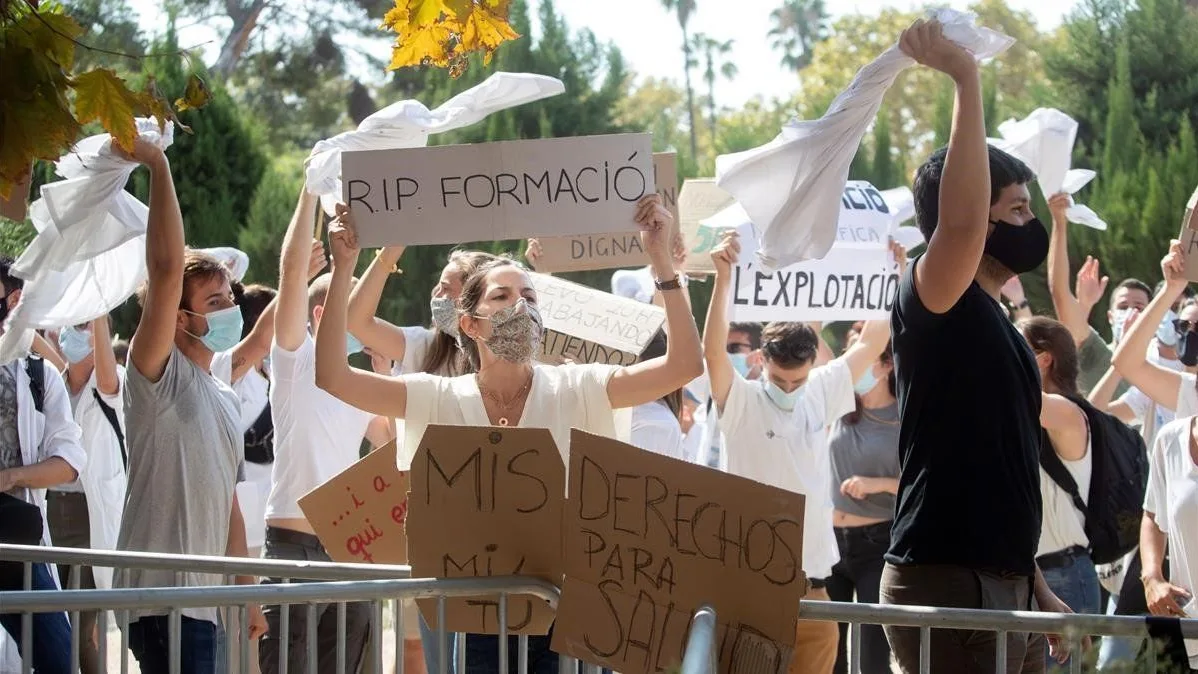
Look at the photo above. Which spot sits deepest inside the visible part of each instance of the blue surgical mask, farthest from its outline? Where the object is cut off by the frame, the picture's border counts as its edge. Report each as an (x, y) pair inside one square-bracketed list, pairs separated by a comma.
[(740, 363), (224, 329), (866, 383), (1165, 332), (75, 343), (782, 399), (352, 344)]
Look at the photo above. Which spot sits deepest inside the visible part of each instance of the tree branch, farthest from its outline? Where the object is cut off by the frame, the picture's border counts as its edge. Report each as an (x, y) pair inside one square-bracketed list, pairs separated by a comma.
[(32, 4)]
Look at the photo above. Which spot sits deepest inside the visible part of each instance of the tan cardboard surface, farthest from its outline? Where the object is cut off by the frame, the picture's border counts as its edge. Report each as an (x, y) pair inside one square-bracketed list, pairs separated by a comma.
[(649, 539), (1189, 236), (497, 191), (487, 501), (359, 514), (700, 199), (591, 326)]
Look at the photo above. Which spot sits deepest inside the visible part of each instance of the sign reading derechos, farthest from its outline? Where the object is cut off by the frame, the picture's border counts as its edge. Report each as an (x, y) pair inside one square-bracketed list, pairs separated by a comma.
[(497, 191), (590, 326), (618, 249), (359, 514), (649, 539), (487, 502)]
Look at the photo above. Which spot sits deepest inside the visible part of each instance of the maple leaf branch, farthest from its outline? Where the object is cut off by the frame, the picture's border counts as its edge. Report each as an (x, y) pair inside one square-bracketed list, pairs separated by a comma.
[(32, 4)]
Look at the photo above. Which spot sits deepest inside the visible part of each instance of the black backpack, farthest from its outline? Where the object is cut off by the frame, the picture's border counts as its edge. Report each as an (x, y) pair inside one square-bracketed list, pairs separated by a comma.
[(1118, 480)]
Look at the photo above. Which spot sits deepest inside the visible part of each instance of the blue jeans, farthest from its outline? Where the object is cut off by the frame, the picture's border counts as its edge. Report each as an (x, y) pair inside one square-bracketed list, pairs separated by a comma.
[(51, 631), (199, 647), (1074, 582), (432, 649), (1115, 653)]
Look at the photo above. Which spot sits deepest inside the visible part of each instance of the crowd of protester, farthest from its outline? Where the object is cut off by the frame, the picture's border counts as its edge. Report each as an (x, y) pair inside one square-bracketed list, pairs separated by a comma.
[(964, 453)]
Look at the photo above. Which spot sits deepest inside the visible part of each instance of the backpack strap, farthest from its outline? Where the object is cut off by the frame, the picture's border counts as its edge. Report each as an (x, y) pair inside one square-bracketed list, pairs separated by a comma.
[(35, 367), (1052, 464), (110, 414)]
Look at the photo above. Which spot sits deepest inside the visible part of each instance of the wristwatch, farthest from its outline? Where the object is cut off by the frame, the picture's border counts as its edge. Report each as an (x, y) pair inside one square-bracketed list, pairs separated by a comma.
[(673, 284)]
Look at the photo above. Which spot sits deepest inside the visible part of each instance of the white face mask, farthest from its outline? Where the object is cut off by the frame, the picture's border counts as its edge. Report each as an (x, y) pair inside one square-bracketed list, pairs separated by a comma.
[(1118, 319), (785, 401)]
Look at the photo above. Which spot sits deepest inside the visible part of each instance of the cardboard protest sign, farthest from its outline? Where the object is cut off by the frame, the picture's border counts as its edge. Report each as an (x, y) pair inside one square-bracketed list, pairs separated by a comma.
[(856, 280), (649, 539), (1189, 235), (619, 249), (487, 501), (496, 191), (591, 326), (359, 514), (700, 199)]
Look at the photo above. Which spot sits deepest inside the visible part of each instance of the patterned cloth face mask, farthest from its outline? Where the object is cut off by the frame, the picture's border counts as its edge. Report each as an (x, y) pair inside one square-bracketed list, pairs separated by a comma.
[(515, 332)]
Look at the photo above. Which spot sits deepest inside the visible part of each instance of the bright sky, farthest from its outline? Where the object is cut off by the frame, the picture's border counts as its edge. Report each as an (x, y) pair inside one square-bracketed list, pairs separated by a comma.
[(649, 37)]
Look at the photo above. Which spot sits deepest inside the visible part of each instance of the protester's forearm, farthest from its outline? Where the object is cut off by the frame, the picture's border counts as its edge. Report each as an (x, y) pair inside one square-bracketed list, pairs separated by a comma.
[(297, 242), (1132, 350), (107, 380), (1152, 549), (331, 362), (43, 348), (715, 328), (368, 291), (1102, 393), (43, 474), (164, 227), (966, 171)]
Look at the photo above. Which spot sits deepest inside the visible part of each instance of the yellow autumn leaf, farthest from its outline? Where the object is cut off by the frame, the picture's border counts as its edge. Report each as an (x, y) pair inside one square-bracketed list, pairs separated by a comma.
[(484, 30), (397, 17), (195, 96), (416, 46), (425, 12), (101, 96)]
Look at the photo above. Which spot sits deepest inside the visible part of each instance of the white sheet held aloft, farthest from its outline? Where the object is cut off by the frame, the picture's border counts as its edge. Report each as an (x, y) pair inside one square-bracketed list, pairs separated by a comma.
[(89, 212), (1044, 141), (89, 253), (409, 123), (791, 186), (236, 261)]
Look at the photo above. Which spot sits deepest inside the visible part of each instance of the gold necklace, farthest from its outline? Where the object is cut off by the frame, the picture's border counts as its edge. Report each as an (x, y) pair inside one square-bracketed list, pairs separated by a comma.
[(504, 406)]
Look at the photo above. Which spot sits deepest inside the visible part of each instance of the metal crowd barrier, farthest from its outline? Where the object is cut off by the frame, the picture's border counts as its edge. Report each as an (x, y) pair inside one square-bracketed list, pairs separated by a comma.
[(377, 583)]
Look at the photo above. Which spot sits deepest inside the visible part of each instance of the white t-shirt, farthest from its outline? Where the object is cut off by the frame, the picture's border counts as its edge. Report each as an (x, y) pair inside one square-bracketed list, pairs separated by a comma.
[(1187, 396), (103, 478), (561, 397), (789, 450), (1172, 498), (1062, 524), (316, 435), (656, 429), (417, 341)]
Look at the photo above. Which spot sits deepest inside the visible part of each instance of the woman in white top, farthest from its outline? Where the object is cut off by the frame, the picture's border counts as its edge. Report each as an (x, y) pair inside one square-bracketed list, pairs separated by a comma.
[(415, 348), (1171, 517), (1063, 555), (656, 425), (500, 330), (1166, 387)]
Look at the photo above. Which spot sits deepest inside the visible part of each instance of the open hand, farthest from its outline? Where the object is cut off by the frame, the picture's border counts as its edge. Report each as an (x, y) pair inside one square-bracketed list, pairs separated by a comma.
[(317, 261), (533, 252), (1089, 287), (1163, 598)]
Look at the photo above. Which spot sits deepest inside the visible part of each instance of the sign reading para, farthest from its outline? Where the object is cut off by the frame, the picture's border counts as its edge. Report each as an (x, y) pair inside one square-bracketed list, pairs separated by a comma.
[(649, 539), (359, 513), (497, 191), (487, 502), (609, 251), (1189, 235), (590, 326)]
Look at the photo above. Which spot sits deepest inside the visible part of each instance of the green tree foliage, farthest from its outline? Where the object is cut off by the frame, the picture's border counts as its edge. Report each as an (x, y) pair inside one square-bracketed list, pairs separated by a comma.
[(217, 167), (269, 214)]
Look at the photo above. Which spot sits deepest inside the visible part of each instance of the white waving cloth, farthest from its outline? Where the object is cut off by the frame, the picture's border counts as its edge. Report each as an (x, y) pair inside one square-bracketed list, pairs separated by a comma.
[(409, 124), (89, 253), (237, 262), (1044, 141), (791, 186)]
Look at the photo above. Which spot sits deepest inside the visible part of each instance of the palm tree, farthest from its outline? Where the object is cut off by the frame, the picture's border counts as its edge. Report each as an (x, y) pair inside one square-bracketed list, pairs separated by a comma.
[(798, 26), (711, 51), (684, 9)]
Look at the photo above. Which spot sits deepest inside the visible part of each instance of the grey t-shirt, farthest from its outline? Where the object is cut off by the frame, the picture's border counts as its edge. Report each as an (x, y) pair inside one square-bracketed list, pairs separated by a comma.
[(869, 448), (185, 458)]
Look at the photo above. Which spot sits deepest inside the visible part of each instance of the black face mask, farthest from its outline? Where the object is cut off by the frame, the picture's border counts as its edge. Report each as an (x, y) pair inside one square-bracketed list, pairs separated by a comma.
[(1187, 349), (1020, 249)]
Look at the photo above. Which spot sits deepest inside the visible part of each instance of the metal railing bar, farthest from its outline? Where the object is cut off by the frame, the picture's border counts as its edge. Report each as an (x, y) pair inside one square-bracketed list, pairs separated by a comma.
[(297, 593), (241, 566), (696, 659)]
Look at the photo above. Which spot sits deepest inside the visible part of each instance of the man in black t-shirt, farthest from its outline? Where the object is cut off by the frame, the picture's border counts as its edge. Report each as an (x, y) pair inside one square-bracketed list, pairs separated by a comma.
[(967, 521)]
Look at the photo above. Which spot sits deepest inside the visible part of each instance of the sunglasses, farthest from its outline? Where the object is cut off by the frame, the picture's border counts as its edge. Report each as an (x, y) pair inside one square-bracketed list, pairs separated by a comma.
[(1182, 327), (739, 347)]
